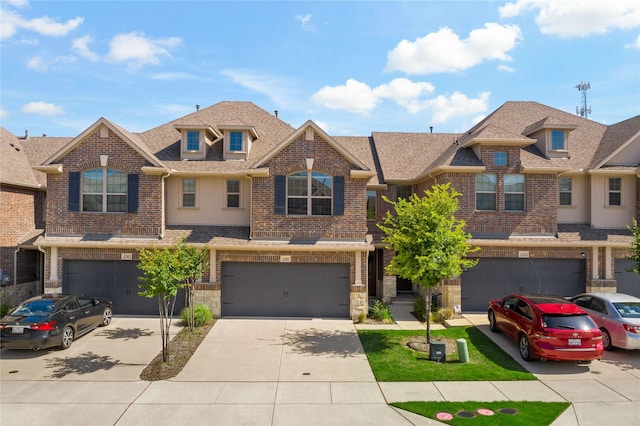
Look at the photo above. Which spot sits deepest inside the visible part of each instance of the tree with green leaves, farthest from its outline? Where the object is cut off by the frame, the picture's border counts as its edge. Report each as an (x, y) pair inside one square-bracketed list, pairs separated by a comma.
[(430, 244), (165, 272), (635, 245)]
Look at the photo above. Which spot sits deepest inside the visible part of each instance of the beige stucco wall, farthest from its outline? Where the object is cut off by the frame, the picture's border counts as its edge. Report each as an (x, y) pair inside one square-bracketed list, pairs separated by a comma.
[(210, 203), (580, 210), (603, 216)]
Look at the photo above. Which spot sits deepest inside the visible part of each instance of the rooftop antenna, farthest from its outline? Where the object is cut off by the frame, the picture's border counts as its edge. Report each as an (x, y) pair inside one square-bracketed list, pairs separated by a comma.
[(583, 110)]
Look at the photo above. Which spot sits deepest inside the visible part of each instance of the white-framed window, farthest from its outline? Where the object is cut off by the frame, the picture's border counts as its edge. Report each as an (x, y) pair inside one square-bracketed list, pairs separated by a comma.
[(500, 158), (104, 190), (486, 187), (236, 141), (188, 192), (614, 192), (558, 141), (404, 191), (233, 193), (309, 193), (193, 140), (514, 192), (564, 191), (371, 205)]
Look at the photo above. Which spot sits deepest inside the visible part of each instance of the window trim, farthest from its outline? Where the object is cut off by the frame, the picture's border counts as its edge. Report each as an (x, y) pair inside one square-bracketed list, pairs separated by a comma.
[(569, 191), (523, 192), (104, 193), (615, 191), (183, 193), (186, 140), (242, 141), (494, 192), (309, 196), (228, 193), (564, 139), (503, 156)]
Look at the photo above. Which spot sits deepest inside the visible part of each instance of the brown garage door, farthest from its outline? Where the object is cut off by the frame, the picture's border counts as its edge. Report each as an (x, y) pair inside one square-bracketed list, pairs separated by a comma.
[(285, 289)]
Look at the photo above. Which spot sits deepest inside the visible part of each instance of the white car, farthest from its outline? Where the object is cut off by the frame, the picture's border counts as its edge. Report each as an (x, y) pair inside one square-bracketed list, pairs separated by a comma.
[(617, 315)]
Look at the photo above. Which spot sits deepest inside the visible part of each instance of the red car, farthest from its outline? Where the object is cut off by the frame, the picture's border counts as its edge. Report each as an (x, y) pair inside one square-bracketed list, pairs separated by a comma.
[(547, 327)]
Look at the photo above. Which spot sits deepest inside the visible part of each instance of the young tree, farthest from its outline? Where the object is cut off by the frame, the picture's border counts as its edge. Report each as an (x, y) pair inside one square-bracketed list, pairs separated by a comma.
[(162, 279), (192, 263), (635, 245), (430, 244)]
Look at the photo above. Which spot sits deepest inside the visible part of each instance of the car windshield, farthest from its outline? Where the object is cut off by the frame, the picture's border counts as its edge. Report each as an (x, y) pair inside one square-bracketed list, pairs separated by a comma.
[(568, 322), (37, 308), (628, 309)]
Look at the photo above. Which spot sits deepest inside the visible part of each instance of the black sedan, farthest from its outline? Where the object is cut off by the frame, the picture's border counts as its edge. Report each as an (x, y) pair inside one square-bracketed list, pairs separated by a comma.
[(53, 320)]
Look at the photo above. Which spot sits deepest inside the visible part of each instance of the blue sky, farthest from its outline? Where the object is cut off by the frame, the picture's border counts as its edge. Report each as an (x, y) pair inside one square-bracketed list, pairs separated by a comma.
[(352, 67)]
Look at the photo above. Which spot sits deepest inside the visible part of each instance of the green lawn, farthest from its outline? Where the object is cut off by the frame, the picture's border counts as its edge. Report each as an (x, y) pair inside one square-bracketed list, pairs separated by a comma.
[(392, 361), (526, 413)]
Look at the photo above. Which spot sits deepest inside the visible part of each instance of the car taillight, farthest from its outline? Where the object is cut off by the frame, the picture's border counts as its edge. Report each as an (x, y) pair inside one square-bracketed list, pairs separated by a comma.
[(46, 326), (545, 334), (635, 329)]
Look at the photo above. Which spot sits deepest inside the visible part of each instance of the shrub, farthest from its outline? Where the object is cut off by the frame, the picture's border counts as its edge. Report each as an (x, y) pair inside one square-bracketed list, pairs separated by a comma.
[(419, 309), (201, 315), (4, 309), (380, 311), (441, 315), (362, 318)]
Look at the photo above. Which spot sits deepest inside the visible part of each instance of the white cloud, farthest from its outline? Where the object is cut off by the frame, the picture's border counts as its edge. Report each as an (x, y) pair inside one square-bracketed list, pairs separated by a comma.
[(305, 21), (353, 96), (173, 76), (37, 64), (635, 44), (405, 93), (42, 108), (503, 67), (281, 91), (17, 3), (138, 50), (577, 18), (458, 104), (11, 22), (81, 45), (3, 113), (444, 51)]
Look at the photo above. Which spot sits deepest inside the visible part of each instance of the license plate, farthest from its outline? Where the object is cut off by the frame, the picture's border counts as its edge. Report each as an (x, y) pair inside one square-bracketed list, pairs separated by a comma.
[(17, 330), (574, 342)]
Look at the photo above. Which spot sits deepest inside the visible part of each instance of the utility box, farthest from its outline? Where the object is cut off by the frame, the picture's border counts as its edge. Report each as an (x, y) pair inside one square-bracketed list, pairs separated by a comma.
[(437, 352)]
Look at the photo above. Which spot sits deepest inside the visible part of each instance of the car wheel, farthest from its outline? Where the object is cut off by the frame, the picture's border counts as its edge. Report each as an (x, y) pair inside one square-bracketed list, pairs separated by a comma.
[(106, 317), (492, 322), (67, 337), (525, 349), (606, 340)]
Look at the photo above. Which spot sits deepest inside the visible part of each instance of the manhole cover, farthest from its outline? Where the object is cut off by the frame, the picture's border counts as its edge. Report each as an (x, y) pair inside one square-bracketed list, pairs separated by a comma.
[(508, 411), (466, 414)]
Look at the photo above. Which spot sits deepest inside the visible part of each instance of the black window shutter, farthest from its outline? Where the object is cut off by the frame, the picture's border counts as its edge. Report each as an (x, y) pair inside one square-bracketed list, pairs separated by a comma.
[(338, 195), (280, 196), (132, 193), (74, 192)]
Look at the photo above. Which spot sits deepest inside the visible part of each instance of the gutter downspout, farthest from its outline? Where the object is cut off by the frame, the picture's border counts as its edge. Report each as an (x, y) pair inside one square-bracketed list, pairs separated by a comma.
[(164, 203), (15, 275), (44, 263)]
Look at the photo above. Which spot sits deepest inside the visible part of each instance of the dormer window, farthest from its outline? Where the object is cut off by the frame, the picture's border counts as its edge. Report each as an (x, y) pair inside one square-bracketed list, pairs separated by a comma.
[(235, 141), (499, 158), (193, 140), (558, 142)]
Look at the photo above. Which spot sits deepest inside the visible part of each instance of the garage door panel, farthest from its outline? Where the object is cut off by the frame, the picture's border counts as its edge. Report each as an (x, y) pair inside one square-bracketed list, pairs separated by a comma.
[(628, 282), (117, 281), (494, 278), (292, 289)]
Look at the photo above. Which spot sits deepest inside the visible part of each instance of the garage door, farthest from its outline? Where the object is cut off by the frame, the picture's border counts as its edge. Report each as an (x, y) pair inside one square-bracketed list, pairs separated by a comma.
[(285, 289), (628, 282), (114, 280), (496, 278)]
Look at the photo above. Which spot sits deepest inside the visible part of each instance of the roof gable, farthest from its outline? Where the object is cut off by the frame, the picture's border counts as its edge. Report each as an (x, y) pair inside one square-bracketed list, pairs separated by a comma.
[(129, 138), (310, 126)]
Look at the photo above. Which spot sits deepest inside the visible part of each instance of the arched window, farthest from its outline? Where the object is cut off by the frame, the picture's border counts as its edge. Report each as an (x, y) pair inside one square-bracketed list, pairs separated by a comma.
[(309, 193), (104, 190)]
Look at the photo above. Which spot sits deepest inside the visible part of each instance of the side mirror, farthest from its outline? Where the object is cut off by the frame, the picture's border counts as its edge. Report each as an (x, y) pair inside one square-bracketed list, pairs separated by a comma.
[(499, 303), (96, 302)]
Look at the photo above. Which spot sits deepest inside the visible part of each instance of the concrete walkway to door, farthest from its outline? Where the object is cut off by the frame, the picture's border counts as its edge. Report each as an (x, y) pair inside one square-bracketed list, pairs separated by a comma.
[(272, 372)]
